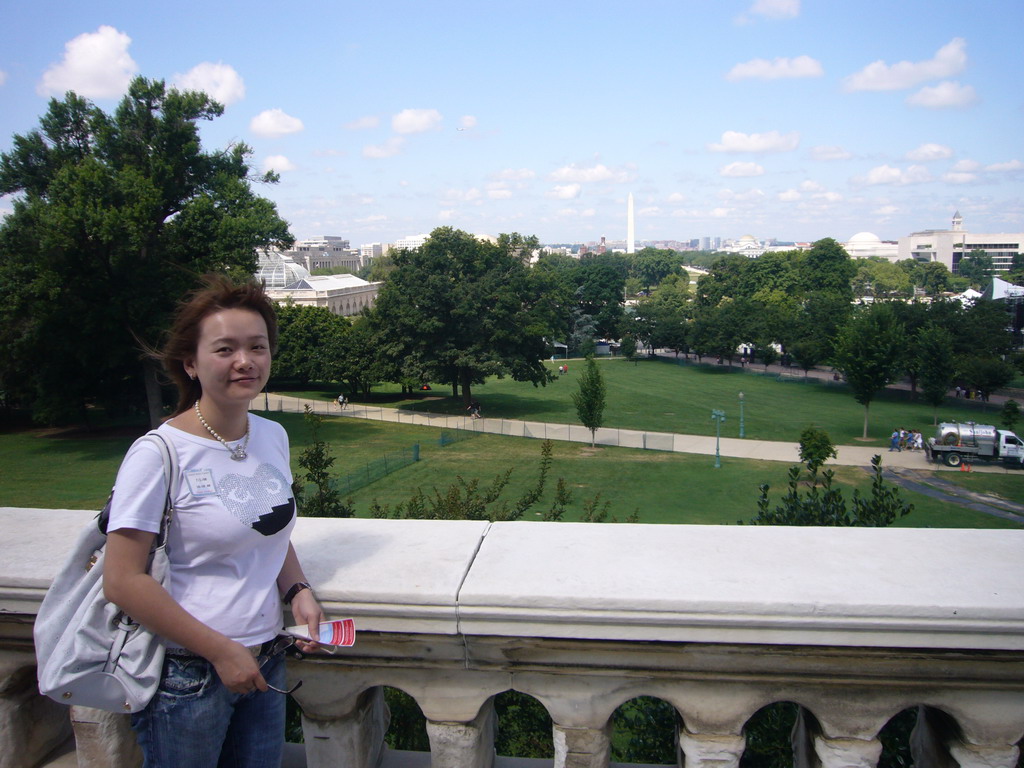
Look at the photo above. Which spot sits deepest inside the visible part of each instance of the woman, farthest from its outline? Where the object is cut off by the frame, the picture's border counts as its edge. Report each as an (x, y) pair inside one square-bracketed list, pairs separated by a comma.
[(232, 563)]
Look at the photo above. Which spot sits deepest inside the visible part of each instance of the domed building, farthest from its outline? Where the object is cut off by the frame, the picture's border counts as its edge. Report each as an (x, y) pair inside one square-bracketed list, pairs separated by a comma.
[(748, 246), (277, 270), (287, 280), (865, 244)]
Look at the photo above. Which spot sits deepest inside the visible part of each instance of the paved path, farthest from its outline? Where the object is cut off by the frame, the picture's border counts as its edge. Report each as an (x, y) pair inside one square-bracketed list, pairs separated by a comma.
[(765, 450)]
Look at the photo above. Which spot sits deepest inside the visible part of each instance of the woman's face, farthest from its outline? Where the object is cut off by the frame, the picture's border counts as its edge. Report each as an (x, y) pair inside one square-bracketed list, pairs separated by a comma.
[(232, 360)]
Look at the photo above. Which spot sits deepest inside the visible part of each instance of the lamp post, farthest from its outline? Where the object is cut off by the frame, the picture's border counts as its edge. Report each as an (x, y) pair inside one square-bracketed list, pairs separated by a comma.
[(741, 415), (718, 417)]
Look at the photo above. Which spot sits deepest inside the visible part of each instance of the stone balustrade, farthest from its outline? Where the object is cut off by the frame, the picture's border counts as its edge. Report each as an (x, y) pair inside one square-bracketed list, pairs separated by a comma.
[(853, 625)]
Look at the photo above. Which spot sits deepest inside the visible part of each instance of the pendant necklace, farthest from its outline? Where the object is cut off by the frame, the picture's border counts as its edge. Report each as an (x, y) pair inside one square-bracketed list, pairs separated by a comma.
[(238, 452)]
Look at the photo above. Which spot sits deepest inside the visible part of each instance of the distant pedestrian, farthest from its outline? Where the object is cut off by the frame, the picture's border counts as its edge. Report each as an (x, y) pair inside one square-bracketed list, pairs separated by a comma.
[(894, 441), (342, 402), (474, 409)]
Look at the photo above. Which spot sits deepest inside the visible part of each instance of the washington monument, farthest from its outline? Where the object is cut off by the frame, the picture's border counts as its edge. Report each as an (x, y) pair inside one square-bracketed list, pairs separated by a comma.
[(630, 232)]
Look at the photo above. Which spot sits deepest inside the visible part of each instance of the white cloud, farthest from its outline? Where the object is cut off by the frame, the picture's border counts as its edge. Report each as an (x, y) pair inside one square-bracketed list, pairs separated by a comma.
[(829, 153), (95, 65), (416, 120), (565, 191), (719, 213), (811, 186), (829, 197), (773, 141), (273, 123), (220, 81), (789, 196), (740, 170), (573, 213), (389, 148), (447, 214), (278, 163), (886, 174), (945, 95), (772, 9), (886, 210), (362, 123), (677, 197), (879, 76), (650, 211), (776, 69), (467, 121), (929, 151), (967, 166), (598, 173), (743, 197), (1010, 165), (3, 77), (499, 194), (516, 174), (463, 196), (954, 177)]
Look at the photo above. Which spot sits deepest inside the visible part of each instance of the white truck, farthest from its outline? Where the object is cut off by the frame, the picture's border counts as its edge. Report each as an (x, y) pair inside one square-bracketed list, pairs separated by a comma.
[(957, 444)]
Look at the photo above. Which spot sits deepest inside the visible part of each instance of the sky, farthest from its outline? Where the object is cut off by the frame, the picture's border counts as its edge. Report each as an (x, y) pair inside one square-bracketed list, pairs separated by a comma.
[(787, 119)]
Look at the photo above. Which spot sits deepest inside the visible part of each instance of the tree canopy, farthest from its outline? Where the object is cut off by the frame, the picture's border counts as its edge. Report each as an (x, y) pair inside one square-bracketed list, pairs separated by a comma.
[(115, 215), (458, 309)]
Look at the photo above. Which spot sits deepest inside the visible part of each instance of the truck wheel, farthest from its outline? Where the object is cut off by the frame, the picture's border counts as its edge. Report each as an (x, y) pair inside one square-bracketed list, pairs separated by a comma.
[(953, 459)]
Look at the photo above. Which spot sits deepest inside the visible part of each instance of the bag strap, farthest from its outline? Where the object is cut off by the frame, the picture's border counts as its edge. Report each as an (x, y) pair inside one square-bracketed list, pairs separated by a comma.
[(172, 481), (171, 478)]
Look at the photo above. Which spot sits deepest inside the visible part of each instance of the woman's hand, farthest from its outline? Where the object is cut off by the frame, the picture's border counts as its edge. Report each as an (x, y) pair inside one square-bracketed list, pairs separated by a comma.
[(237, 668), (306, 610)]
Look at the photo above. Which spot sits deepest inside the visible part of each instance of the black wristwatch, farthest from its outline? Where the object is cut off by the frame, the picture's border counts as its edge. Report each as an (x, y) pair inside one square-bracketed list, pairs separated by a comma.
[(295, 589)]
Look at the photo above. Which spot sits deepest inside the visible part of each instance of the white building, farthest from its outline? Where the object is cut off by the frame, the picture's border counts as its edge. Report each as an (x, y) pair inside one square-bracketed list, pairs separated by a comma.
[(748, 246), (286, 279), (948, 246), (866, 244), (411, 242), (326, 252)]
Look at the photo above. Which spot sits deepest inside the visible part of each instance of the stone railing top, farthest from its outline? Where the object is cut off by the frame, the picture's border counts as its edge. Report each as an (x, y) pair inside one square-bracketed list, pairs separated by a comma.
[(891, 587)]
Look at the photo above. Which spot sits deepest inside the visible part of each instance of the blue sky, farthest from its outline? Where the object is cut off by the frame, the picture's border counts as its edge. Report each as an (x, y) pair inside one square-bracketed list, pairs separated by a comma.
[(793, 119)]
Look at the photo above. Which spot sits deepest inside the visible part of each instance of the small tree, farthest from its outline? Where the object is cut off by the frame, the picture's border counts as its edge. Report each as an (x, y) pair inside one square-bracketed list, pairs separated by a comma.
[(869, 351), (317, 460), (589, 400), (1010, 414), (936, 365), (816, 447), (629, 348)]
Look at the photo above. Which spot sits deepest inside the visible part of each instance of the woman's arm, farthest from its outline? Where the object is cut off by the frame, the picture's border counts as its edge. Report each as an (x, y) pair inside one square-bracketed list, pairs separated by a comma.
[(305, 607), (128, 585)]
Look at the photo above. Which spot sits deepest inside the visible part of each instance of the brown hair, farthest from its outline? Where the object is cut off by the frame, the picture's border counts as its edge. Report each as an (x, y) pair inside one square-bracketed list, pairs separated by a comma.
[(218, 292)]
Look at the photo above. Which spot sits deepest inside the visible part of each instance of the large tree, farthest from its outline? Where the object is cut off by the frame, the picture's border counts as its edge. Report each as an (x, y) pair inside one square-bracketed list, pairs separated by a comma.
[(869, 352), (458, 309), (114, 217)]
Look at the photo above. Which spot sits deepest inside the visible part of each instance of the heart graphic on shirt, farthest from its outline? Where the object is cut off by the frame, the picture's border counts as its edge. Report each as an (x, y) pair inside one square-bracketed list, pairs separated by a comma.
[(262, 502)]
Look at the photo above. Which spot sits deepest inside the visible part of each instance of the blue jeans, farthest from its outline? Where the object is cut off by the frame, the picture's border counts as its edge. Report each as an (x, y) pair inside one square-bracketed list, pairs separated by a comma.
[(195, 722)]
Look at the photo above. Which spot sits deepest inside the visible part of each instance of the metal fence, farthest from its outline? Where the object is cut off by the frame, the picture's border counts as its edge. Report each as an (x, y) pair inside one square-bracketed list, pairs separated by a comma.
[(456, 428), (378, 468)]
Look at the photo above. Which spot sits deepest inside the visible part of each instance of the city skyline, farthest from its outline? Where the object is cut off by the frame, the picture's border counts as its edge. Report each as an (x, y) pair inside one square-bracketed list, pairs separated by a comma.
[(786, 119)]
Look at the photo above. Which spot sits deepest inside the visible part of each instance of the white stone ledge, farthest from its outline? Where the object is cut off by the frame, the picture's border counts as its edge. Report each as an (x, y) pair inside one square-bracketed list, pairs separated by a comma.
[(883, 588)]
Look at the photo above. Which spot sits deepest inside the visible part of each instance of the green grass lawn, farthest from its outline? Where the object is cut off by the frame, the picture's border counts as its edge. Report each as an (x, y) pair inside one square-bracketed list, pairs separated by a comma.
[(47, 468), (662, 396)]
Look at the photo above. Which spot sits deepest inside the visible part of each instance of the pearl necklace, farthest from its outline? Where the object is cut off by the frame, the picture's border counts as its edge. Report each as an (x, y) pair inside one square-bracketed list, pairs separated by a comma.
[(238, 452)]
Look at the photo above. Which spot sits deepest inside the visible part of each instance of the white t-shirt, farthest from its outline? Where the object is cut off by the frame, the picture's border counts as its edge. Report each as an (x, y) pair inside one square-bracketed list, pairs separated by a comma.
[(231, 526)]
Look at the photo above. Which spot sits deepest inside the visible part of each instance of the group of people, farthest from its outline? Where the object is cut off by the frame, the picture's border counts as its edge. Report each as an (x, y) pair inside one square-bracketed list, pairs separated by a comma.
[(970, 394), (906, 440), (563, 369)]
